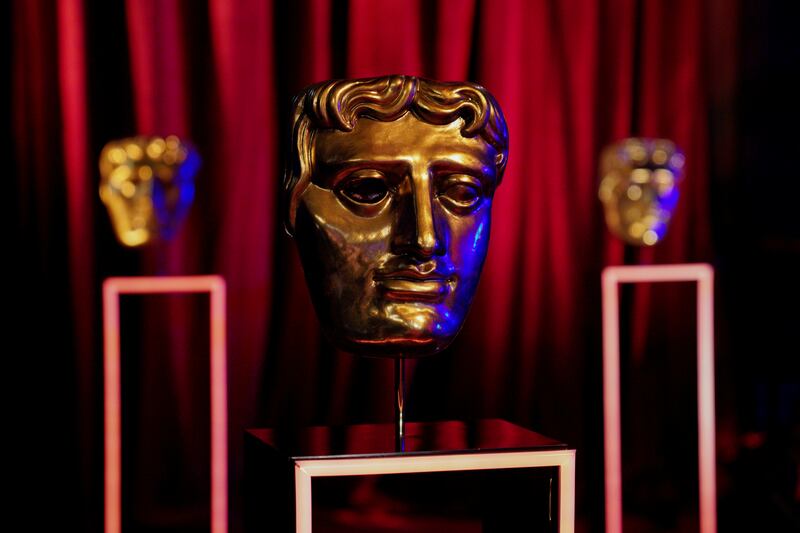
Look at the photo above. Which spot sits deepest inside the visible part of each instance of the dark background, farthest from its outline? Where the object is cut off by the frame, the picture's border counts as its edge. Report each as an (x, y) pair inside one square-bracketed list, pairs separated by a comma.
[(717, 77)]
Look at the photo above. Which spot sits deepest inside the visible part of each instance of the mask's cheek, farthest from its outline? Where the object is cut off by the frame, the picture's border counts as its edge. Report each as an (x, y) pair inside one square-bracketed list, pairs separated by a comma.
[(468, 244), (340, 250), (345, 241)]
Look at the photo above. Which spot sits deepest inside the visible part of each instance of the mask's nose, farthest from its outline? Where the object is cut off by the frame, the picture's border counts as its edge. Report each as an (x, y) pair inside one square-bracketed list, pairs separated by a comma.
[(417, 231)]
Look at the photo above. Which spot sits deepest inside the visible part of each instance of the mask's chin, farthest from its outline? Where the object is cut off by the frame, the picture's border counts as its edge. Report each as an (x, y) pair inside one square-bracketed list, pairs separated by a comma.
[(413, 330)]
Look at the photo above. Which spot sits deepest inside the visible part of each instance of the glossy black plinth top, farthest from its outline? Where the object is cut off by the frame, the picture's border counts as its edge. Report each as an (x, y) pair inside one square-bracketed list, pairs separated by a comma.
[(369, 440)]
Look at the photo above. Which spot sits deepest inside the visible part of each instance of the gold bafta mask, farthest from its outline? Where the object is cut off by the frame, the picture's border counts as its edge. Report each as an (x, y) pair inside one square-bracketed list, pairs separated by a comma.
[(639, 188), (389, 194), (147, 184)]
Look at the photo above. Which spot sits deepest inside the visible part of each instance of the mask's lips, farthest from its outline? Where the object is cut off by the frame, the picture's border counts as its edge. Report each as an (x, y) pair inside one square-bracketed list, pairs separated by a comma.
[(412, 284)]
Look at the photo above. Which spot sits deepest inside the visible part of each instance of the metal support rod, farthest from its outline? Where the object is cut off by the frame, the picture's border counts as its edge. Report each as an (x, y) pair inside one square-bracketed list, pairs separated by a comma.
[(399, 403)]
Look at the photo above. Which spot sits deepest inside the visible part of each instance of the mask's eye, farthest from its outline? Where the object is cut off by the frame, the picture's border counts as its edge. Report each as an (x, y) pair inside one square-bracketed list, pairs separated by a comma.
[(461, 194), (365, 188)]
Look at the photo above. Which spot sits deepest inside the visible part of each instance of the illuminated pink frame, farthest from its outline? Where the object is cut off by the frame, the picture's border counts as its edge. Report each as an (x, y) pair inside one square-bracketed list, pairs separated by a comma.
[(307, 469), (703, 274), (112, 288)]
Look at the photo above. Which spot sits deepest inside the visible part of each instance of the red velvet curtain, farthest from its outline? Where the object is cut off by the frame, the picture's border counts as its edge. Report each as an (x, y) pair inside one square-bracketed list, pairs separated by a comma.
[(571, 76)]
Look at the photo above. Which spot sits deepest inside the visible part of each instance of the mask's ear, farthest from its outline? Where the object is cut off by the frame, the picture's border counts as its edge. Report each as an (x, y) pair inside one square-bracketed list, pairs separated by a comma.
[(291, 199), (500, 161), (288, 214), (298, 161), (295, 180), (288, 202)]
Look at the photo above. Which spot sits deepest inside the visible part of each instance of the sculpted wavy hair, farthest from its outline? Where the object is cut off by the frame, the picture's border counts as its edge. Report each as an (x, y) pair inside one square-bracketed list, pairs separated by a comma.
[(338, 104)]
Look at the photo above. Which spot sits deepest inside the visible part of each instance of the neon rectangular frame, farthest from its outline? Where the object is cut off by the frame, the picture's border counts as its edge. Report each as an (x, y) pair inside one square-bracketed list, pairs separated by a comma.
[(703, 274), (112, 289), (305, 470)]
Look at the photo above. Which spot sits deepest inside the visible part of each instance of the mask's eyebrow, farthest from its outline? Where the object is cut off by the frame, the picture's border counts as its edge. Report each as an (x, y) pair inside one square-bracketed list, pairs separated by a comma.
[(328, 173), (357, 162), (466, 164)]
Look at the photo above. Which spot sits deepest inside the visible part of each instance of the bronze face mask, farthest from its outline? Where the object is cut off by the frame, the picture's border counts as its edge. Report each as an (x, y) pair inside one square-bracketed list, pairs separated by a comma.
[(639, 188), (389, 196), (147, 184)]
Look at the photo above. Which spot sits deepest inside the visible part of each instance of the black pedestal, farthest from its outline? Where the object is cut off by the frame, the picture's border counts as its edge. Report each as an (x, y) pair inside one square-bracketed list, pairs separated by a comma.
[(487, 476)]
